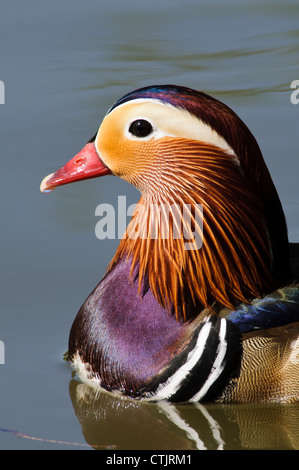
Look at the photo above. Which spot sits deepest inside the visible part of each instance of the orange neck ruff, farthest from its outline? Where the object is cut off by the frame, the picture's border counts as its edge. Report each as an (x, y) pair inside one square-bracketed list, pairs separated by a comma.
[(233, 264)]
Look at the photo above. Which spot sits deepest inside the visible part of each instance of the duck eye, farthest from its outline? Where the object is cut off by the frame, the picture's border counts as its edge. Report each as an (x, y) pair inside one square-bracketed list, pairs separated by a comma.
[(141, 128)]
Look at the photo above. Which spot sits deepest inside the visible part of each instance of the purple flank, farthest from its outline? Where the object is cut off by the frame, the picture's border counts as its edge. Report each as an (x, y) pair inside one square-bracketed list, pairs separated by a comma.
[(127, 337)]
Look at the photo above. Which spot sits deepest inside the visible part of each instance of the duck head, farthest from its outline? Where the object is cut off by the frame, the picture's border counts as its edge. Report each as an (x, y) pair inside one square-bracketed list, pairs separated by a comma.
[(182, 148)]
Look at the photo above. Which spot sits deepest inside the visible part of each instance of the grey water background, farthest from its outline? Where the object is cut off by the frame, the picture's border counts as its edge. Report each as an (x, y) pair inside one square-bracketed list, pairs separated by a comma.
[(63, 65)]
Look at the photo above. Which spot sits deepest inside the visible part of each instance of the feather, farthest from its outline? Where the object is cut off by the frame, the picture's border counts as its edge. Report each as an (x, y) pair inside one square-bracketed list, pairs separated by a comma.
[(234, 262), (276, 309)]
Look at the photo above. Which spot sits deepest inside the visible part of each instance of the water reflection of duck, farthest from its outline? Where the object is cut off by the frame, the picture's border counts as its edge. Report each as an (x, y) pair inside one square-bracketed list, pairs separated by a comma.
[(112, 422), (172, 319)]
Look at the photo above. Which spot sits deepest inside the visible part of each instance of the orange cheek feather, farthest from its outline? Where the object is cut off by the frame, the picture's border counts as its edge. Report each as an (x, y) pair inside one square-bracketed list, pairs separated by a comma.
[(127, 159)]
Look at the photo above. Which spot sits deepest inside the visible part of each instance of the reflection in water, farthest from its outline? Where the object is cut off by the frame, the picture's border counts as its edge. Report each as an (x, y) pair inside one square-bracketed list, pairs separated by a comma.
[(119, 423)]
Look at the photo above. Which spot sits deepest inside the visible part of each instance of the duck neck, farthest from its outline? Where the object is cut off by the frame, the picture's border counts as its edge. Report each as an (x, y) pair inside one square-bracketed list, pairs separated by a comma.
[(198, 232)]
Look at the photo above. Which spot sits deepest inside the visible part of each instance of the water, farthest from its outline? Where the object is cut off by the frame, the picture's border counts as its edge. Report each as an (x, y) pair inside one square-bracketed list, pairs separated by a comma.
[(63, 65)]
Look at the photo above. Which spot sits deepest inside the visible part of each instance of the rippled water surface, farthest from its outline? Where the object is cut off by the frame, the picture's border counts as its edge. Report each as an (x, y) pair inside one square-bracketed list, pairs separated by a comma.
[(63, 65)]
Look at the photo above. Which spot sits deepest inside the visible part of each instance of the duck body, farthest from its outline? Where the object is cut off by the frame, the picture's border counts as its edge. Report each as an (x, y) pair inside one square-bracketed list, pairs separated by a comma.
[(127, 342), (173, 320)]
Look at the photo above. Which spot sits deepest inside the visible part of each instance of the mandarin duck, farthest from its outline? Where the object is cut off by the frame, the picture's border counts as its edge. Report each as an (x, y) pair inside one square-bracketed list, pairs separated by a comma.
[(217, 322)]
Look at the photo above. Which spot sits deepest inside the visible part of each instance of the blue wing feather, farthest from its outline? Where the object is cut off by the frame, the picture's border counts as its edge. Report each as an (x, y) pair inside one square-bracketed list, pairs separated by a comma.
[(276, 309)]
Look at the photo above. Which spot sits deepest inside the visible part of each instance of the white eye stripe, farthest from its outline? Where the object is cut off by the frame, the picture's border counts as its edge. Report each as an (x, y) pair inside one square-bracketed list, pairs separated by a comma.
[(169, 121)]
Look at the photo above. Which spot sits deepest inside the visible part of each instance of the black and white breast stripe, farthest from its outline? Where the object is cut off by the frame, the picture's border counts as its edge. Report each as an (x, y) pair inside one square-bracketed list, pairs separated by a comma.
[(201, 371)]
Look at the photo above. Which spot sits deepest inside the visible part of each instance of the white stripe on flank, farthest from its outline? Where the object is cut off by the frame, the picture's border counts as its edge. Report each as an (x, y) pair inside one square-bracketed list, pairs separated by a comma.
[(174, 382), (218, 365)]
